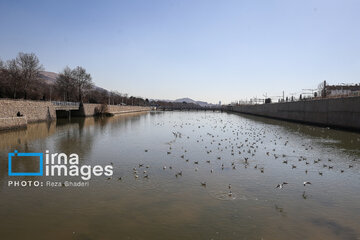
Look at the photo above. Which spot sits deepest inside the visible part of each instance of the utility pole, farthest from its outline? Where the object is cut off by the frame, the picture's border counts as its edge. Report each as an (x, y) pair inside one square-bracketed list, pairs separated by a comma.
[(265, 95)]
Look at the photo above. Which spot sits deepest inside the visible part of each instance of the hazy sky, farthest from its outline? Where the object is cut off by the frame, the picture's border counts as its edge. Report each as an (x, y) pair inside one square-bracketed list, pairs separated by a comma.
[(205, 50)]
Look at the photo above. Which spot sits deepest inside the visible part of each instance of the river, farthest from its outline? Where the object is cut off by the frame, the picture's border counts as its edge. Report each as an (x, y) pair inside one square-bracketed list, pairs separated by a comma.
[(186, 175)]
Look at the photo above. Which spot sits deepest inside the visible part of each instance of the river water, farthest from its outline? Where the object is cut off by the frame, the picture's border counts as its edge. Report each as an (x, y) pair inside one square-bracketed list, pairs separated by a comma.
[(230, 166)]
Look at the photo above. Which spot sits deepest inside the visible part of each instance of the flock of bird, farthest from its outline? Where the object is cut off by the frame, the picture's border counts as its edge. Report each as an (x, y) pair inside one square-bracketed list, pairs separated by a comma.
[(227, 144)]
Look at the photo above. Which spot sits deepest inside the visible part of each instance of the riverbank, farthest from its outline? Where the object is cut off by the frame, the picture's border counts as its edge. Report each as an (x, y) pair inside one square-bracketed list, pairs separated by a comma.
[(341, 113), (18, 113)]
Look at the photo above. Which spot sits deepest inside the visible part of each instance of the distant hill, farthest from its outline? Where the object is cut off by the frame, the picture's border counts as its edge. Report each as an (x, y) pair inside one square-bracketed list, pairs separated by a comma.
[(189, 100), (48, 77)]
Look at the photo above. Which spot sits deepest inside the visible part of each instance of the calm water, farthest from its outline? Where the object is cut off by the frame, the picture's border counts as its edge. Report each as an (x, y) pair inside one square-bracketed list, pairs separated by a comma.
[(207, 147)]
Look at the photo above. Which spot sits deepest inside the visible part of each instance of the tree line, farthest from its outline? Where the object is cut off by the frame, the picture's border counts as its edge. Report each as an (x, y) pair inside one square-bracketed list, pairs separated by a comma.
[(20, 78)]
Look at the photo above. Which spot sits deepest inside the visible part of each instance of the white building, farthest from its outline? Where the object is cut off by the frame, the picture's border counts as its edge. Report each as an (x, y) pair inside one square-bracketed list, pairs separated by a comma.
[(340, 90)]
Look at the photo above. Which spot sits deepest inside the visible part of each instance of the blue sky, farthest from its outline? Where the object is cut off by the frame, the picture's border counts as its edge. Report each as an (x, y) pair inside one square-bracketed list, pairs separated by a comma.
[(205, 50)]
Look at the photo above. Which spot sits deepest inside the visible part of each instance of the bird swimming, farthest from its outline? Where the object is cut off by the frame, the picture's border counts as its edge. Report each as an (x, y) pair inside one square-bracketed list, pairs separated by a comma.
[(307, 183)]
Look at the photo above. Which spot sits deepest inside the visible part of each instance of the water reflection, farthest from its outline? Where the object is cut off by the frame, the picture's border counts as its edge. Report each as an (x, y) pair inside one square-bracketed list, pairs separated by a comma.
[(239, 159)]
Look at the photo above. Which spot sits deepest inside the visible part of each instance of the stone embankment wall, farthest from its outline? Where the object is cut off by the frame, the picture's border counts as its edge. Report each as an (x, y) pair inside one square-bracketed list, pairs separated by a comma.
[(31, 111), (335, 112), (89, 109), (13, 122), (36, 111), (126, 109)]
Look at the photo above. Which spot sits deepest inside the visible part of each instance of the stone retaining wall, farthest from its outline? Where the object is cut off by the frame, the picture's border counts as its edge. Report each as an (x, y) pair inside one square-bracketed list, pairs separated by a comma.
[(12, 122), (114, 109), (88, 109), (334, 112), (36, 111), (33, 111)]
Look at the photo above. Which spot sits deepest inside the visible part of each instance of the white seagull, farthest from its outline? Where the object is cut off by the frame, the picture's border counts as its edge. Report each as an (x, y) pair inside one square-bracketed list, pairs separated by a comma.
[(281, 185), (306, 183)]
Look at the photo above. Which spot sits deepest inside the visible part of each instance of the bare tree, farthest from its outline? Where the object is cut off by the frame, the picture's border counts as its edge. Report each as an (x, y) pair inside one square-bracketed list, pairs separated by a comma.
[(124, 98), (116, 97), (20, 77), (2, 72), (98, 96), (82, 80), (2, 79), (65, 83), (13, 77), (30, 68)]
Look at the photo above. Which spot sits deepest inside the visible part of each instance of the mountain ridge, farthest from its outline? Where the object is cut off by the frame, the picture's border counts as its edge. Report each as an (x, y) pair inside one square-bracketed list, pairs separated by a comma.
[(187, 100)]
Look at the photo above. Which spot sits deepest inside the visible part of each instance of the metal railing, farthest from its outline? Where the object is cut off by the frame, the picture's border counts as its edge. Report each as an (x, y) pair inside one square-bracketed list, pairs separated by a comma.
[(60, 103)]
